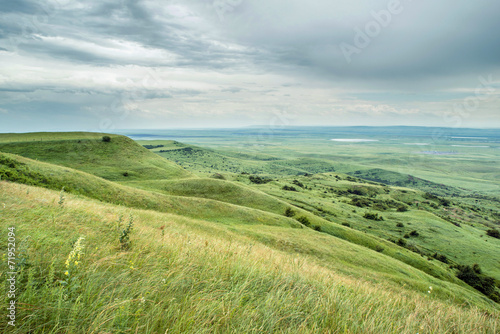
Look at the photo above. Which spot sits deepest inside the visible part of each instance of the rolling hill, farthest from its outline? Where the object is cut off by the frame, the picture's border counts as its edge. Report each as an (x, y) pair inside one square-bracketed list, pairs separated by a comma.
[(204, 254)]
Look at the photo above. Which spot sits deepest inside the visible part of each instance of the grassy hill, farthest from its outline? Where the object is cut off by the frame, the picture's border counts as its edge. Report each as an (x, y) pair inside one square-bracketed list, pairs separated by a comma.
[(119, 159), (213, 255), (222, 207), (191, 275)]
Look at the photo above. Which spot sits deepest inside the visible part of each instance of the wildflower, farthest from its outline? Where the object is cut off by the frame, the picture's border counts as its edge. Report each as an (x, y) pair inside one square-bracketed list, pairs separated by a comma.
[(75, 254)]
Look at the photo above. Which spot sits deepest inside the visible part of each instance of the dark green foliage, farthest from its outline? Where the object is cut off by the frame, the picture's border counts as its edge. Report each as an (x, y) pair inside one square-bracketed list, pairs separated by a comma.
[(440, 257), (406, 236), (125, 174), (401, 242), (150, 147), (414, 249), (402, 208), (444, 202), (289, 212), (430, 196), (400, 225), (317, 228), (414, 233), (106, 139), (493, 233), (356, 191), (288, 188), (16, 171), (125, 243), (346, 224), (258, 179), (361, 202), (380, 206), (304, 221), (474, 277), (297, 183), (379, 248), (373, 216)]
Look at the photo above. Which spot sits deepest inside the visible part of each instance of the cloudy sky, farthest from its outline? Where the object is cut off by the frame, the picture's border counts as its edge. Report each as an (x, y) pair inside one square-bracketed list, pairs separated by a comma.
[(101, 65)]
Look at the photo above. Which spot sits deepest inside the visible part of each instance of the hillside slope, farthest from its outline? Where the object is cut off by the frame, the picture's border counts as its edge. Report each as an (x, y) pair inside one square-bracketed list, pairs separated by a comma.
[(119, 159), (27, 171), (189, 275)]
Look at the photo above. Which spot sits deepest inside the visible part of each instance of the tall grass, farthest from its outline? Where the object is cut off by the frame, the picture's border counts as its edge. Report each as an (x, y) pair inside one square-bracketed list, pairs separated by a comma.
[(188, 276)]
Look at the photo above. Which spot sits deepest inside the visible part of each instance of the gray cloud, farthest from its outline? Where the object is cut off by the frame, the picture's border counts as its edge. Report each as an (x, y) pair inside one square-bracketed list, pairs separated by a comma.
[(176, 57)]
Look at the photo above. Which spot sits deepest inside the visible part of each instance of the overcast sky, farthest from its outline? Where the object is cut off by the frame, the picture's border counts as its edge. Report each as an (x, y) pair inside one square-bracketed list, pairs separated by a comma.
[(99, 65)]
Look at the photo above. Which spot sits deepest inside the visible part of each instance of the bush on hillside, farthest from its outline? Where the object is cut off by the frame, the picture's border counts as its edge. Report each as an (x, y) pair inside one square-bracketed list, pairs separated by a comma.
[(361, 202), (414, 233), (289, 212), (106, 139), (494, 233), (304, 221), (473, 277), (373, 216), (258, 179), (402, 208), (287, 188), (440, 257), (298, 183), (401, 242)]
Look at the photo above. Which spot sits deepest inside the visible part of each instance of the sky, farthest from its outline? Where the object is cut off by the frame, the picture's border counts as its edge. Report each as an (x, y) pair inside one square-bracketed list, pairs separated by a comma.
[(100, 65)]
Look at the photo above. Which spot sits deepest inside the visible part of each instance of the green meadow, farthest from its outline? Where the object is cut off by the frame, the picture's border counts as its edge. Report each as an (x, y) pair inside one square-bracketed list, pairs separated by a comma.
[(252, 232)]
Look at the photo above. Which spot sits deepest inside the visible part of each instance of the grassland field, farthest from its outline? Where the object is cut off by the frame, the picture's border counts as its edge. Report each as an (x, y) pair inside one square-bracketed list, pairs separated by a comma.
[(254, 231)]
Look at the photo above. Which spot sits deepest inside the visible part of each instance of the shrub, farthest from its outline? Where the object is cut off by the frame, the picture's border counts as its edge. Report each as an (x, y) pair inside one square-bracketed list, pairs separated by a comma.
[(287, 188), (304, 221), (106, 139), (402, 208), (414, 233), (494, 233), (289, 212), (258, 179), (400, 225), (356, 191), (373, 216), (298, 183), (317, 228), (401, 242), (346, 224), (473, 277), (440, 257), (406, 236), (361, 202)]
